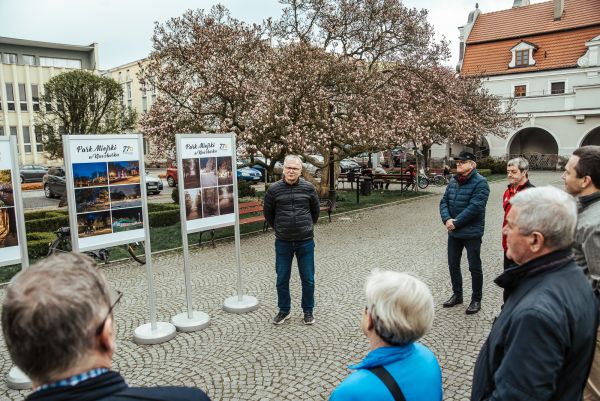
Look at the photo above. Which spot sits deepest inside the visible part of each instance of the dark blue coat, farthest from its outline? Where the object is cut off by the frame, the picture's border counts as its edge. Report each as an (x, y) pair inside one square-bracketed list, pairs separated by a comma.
[(466, 204)]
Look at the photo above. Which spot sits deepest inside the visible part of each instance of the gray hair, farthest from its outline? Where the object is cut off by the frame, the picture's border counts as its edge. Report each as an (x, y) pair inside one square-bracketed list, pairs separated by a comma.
[(549, 211), (401, 306), (51, 313), (520, 162), (290, 158)]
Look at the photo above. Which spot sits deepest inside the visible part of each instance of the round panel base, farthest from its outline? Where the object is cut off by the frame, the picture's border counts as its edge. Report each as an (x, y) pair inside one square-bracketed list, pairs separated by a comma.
[(145, 335), (17, 380), (198, 321), (236, 305)]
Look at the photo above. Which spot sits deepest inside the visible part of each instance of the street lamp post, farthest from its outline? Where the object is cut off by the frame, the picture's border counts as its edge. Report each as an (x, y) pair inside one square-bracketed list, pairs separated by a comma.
[(331, 170)]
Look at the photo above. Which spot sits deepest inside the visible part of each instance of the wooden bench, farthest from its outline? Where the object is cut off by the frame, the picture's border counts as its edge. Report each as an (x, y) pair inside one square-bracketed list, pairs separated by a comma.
[(252, 212)]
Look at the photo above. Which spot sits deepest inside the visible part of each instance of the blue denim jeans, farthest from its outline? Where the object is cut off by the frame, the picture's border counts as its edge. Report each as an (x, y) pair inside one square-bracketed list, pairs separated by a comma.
[(305, 256), (455, 249)]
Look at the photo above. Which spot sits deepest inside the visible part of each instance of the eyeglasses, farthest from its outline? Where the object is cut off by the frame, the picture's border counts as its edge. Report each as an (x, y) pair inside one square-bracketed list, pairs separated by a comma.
[(115, 302)]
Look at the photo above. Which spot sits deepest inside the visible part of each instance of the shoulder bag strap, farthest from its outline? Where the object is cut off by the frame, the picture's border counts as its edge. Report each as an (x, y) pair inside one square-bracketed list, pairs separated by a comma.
[(389, 382)]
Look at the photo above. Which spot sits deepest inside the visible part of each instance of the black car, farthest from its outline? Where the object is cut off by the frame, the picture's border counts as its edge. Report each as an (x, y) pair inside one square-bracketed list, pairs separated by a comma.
[(32, 172), (54, 183)]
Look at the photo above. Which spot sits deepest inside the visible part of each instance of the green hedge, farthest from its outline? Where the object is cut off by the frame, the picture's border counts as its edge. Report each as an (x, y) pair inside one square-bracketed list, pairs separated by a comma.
[(496, 165), (37, 244), (486, 172)]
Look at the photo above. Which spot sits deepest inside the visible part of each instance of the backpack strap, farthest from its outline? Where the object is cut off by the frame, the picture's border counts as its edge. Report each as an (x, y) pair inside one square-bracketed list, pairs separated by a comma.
[(389, 382)]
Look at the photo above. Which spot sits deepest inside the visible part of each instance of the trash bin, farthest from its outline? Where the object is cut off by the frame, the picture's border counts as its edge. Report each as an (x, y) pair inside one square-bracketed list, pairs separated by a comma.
[(366, 186)]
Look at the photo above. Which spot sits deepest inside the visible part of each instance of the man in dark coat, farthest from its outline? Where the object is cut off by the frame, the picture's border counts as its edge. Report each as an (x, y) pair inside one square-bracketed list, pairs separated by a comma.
[(462, 209), (58, 325), (541, 345), (291, 207)]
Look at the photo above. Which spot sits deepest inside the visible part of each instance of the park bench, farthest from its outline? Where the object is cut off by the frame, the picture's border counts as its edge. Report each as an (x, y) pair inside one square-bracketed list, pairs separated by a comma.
[(252, 212)]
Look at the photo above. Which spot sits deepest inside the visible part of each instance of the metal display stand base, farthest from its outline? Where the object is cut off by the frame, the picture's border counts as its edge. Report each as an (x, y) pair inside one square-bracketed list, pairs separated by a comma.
[(199, 321), (145, 335), (236, 305), (17, 380)]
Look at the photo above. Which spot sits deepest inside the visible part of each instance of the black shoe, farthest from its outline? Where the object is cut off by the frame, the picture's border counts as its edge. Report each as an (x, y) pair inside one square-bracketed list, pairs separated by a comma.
[(473, 308), (308, 318), (281, 317), (453, 301)]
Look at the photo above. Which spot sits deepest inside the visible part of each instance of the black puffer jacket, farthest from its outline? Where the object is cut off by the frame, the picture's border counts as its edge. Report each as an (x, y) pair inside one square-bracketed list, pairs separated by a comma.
[(292, 209)]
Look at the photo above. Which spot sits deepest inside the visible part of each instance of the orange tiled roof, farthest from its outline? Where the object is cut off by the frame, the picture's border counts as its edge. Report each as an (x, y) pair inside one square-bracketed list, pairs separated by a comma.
[(534, 19), (555, 50)]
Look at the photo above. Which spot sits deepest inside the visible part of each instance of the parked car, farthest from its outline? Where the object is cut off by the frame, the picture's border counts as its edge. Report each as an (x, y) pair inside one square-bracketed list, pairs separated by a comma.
[(347, 165), (243, 173), (55, 184), (32, 172)]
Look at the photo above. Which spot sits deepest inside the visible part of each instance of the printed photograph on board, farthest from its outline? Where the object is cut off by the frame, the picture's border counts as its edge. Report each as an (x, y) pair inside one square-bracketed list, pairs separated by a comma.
[(122, 196), (127, 219), (8, 227), (89, 174), (210, 204), (224, 170), (191, 173), (124, 172), (208, 172), (226, 200), (92, 199), (193, 204), (6, 189), (94, 223)]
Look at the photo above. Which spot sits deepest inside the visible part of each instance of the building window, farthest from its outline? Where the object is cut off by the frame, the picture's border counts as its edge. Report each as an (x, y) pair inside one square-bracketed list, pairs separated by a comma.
[(521, 58), (39, 139), (22, 97), (557, 88), (28, 60), (520, 90), (26, 140), (1, 130), (48, 103), (144, 100), (35, 97), (13, 131), (9, 58), (10, 97), (128, 90), (60, 62), (153, 94)]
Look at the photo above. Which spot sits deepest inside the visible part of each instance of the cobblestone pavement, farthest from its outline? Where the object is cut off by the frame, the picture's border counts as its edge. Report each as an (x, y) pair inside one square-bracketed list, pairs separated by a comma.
[(245, 357)]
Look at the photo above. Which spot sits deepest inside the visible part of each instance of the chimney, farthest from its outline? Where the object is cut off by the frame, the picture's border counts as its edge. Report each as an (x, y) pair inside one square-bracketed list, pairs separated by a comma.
[(559, 7), (520, 3)]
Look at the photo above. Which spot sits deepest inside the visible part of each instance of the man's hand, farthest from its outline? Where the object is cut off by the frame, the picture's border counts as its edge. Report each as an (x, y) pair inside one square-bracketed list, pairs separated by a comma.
[(450, 225)]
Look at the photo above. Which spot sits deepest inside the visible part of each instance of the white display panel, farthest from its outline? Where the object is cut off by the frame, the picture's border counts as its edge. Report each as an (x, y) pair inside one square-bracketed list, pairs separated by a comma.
[(10, 205), (207, 180), (106, 189)]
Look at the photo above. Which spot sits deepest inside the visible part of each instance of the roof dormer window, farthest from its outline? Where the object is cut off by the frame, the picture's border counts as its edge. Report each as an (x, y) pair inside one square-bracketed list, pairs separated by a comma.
[(522, 55)]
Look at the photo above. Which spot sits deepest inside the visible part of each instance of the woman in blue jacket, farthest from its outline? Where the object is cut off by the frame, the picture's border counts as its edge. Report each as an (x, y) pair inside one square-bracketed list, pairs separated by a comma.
[(399, 311)]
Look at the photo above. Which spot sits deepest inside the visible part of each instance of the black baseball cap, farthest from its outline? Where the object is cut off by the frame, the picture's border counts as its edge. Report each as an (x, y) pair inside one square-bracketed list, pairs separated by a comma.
[(464, 156)]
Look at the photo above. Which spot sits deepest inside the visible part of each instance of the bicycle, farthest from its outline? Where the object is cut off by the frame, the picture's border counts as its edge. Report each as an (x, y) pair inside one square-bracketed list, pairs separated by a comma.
[(62, 243)]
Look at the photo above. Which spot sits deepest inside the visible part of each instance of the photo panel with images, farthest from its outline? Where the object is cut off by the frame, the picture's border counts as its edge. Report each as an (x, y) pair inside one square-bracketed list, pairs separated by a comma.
[(193, 204), (124, 196), (226, 200), (8, 227), (94, 223), (6, 189), (224, 170), (92, 199), (191, 173), (90, 174), (124, 172), (127, 219), (210, 204), (208, 172)]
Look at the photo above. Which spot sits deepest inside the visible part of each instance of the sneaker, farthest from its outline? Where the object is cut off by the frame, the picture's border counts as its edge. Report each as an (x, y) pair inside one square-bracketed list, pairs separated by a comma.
[(281, 317), (308, 318)]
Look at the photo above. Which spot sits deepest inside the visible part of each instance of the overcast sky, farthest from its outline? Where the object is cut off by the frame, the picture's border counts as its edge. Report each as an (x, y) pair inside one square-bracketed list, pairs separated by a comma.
[(123, 28)]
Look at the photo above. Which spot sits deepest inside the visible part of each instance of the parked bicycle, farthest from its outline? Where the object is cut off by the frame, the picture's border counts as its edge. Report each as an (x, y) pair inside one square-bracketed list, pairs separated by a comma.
[(62, 243)]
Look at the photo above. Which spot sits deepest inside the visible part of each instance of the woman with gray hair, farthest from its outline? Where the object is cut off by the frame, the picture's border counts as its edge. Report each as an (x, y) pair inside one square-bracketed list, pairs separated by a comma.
[(399, 311)]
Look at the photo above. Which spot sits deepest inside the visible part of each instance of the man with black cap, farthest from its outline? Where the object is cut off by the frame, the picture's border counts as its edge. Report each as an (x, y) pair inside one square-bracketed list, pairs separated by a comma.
[(462, 209)]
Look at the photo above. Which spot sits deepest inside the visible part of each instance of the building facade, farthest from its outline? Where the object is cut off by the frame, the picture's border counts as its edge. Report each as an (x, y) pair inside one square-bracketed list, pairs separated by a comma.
[(545, 56), (25, 66)]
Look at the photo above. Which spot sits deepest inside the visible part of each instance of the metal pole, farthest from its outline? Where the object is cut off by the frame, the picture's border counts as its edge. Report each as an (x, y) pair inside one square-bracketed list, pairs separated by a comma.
[(184, 234), (331, 176), (19, 210)]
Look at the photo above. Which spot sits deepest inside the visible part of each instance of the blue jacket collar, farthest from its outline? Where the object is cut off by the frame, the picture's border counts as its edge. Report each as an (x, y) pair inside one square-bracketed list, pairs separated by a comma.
[(384, 356)]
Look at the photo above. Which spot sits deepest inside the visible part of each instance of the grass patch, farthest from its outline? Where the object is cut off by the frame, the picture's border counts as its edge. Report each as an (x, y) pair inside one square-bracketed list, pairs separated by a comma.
[(346, 199)]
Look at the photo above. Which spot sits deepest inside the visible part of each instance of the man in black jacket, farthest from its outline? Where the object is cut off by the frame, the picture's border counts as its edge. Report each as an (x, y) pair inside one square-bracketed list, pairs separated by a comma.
[(291, 207), (59, 330), (541, 345)]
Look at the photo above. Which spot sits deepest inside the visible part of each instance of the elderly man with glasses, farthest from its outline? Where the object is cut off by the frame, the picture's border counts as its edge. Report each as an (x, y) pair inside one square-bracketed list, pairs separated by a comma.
[(291, 207), (57, 319)]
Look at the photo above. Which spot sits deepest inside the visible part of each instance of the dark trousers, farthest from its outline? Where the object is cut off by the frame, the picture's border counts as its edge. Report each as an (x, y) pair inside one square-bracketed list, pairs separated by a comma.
[(455, 249), (305, 256)]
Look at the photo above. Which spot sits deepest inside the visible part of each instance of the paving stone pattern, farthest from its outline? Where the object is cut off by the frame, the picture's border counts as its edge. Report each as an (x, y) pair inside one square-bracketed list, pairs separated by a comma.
[(245, 357)]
